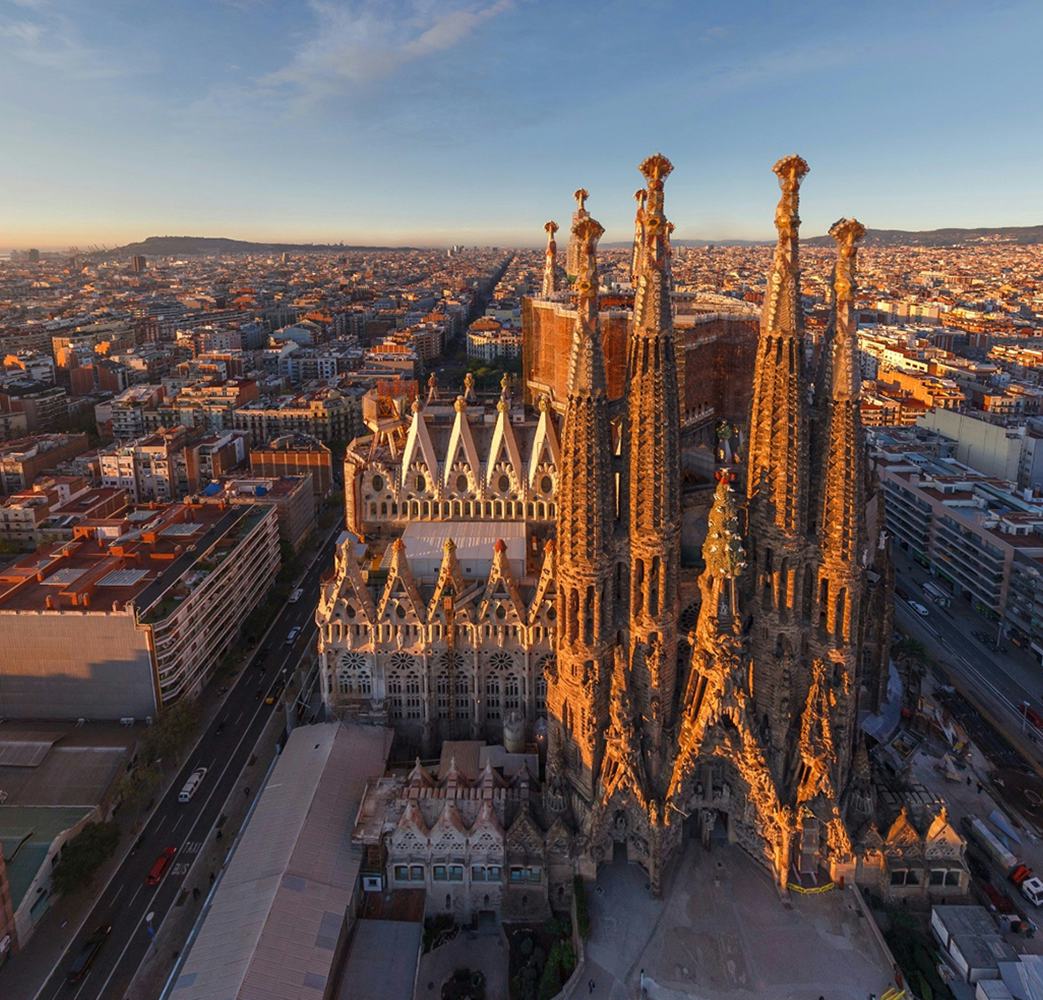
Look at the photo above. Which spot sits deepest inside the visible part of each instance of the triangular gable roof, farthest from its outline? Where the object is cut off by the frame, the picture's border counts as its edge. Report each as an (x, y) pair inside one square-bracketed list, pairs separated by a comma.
[(412, 821), (487, 820), (461, 445), (545, 447), (504, 446), (449, 574), (449, 823), (348, 585), (419, 447), (524, 832), (902, 831), (401, 581), (500, 572), (545, 584)]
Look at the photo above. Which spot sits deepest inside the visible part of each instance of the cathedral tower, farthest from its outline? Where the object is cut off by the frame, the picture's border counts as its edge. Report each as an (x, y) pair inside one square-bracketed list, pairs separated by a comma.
[(842, 501), (777, 485), (576, 694), (652, 472)]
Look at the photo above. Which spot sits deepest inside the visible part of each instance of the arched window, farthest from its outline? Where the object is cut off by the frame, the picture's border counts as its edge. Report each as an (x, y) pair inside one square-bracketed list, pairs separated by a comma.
[(542, 669), (353, 676), (400, 674), (511, 692), (492, 697)]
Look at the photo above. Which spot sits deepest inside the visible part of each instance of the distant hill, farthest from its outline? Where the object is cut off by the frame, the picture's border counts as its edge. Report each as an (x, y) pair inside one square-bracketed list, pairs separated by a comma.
[(186, 246), (944, 237), (897, 238)]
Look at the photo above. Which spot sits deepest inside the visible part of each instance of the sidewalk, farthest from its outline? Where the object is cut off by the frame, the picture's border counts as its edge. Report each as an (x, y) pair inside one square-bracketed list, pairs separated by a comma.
[(172, 934), (26, 972)]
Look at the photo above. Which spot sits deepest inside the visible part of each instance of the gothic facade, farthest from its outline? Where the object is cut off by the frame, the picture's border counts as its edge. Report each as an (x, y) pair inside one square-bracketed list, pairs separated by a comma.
[(754, 733), (516, 579)]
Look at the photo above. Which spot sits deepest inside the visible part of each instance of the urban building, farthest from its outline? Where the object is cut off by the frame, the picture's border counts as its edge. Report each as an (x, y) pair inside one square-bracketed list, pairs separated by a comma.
[(491, 341), (295, 454), (327, 414), (290, 495), (295, 878), (134, 612), (23, 460)]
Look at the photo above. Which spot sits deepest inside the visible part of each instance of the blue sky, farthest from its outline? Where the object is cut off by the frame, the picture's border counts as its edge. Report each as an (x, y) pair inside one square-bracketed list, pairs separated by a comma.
[(434, 121)]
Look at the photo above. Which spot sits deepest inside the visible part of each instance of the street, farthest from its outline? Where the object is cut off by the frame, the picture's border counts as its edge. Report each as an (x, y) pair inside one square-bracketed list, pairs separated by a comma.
[(1006, 680), (224, 749)]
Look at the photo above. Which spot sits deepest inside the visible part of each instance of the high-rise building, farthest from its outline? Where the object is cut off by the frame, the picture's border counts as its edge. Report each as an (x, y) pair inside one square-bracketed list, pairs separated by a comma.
[(138, 263)]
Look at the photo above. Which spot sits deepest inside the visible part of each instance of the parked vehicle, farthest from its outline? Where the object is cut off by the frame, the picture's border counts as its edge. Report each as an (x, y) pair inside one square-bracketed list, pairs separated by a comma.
[(1032, 889), (1031, 715), (195, 779), (82, 963), (991, 844), (919, 609), (935, 593), (160, 866)]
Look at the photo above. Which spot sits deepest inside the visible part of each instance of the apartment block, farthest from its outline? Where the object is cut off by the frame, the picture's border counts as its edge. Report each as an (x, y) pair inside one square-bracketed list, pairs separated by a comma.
[(134, 612)]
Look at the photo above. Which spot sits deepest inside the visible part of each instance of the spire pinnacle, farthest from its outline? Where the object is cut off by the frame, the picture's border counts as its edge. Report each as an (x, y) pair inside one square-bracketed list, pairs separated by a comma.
[(550, 269), (778, 448), (846, 233), (640, 196), (581, 195), (652, 309)]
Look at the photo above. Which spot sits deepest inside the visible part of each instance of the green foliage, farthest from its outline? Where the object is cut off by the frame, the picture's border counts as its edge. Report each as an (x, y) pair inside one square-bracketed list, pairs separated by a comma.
[(171, 731), (579, 891), (551, 981), (138, 785), (83, 855)]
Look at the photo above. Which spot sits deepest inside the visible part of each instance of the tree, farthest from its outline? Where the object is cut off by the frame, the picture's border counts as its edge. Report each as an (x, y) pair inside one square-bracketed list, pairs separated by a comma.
[(83, 855), (550, 981), (138, 784), (172, 730)]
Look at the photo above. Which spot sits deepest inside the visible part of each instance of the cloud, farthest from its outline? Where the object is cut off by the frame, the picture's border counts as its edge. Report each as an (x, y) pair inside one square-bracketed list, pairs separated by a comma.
[(358, 42), (39, 33)]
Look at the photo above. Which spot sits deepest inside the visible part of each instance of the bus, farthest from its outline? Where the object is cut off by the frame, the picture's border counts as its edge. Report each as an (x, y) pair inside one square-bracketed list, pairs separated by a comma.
[(936, 594)]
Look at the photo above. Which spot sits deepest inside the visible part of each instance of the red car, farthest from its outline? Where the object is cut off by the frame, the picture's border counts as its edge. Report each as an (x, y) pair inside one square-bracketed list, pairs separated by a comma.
[(1032, 715), (160, 866)]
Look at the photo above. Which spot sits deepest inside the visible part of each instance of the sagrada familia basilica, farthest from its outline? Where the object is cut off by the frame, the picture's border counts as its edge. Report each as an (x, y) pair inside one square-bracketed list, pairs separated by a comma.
[(515, 577)]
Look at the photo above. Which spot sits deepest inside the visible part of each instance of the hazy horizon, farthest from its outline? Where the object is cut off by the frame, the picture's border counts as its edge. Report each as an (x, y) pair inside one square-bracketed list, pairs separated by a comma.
[(472, 121)]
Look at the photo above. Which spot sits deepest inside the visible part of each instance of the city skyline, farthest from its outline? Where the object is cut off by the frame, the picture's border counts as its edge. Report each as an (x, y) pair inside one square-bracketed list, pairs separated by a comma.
[(428, 124)]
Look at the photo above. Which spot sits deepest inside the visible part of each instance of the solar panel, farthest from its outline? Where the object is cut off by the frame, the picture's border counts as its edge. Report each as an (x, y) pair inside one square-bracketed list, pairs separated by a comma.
[(23, 753), (182, 528), (63, 577), (122, 578)]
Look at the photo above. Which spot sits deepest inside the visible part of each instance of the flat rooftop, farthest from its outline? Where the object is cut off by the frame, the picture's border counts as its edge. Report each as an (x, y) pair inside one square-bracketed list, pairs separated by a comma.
[(134, 558), (721, 932), (275, 922)]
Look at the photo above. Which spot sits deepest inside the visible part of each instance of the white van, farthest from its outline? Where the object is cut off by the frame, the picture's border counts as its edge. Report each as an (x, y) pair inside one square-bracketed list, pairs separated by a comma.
[(195, 779), (1032, 890)]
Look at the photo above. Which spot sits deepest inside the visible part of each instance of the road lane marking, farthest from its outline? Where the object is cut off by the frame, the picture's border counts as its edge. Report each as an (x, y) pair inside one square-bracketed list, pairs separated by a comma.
[(179, 819)]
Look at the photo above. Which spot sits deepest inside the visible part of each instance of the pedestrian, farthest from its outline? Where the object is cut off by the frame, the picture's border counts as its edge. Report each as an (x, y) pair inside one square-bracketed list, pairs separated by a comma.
[(644, 989), (968, 781), (246, 790), (211, 878), (195, 892), (590, 986)]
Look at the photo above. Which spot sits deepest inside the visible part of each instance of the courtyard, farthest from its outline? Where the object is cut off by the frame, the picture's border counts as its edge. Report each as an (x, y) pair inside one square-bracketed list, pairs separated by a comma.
[(721, 933)]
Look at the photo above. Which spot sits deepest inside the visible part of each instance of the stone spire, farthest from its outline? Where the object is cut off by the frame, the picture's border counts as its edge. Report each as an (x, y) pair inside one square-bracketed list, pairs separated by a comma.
[(778, 448), (550, 261), (573, 253), (585, 556), (640, 196), (652, 470), (842, 476)]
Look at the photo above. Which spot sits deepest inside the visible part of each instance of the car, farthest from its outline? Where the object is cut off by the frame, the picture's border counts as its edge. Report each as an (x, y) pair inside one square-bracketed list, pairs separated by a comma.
[(82, 963), (919, 609), (1031, 715), (1032, 889), (296, 595), (195, 779), (160, 866), (291, 636)]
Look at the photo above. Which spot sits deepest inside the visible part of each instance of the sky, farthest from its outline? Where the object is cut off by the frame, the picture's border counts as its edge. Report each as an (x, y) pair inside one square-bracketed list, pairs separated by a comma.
[(429, 122)]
